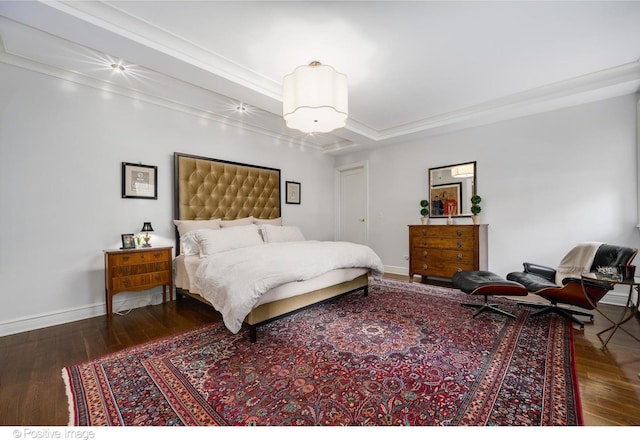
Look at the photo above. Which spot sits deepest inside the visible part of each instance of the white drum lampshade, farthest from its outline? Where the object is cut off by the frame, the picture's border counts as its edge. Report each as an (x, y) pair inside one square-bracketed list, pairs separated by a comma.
[(315, 99)]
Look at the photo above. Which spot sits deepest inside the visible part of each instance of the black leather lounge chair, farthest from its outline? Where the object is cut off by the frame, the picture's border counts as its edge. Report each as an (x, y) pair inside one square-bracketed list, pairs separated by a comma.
[(541, 280)]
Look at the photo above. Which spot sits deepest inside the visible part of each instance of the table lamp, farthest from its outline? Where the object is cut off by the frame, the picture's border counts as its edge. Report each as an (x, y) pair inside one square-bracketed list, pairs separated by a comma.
[(146, 228)]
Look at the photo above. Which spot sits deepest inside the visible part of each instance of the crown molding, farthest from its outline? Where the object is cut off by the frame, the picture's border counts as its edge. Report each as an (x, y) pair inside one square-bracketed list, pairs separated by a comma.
[(609, 83)]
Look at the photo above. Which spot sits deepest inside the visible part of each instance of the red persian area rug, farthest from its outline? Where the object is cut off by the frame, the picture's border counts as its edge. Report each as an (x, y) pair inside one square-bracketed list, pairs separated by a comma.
[(408, 354)]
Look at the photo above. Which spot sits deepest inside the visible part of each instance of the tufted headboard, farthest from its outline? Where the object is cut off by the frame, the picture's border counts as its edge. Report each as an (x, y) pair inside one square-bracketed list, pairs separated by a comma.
[(206, 188)]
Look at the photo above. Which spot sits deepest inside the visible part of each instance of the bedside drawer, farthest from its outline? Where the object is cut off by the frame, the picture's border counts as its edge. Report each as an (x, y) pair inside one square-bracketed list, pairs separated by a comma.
[(137, 269), (140, 281), (139, 257)]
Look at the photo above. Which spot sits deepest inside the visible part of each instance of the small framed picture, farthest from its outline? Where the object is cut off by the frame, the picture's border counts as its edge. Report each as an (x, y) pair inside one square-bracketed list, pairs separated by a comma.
[(128, 241), (293, 192), (139, 181)]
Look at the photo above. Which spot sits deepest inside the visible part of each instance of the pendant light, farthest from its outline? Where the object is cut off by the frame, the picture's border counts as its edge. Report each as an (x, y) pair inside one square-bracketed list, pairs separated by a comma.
[(315, 99)]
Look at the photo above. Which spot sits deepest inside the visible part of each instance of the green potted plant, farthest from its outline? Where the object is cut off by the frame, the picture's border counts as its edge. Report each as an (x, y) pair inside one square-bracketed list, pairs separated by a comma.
[(424, 211), (476, 208)]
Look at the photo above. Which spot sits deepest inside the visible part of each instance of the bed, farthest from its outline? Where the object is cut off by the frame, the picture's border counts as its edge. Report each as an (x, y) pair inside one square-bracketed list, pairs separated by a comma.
[(231, 242)]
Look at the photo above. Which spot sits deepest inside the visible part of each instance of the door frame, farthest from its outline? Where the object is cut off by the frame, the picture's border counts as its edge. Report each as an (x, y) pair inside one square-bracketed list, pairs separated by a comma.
[(338, 194)]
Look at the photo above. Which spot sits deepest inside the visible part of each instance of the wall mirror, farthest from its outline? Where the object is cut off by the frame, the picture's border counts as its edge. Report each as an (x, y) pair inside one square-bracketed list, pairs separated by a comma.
[(451, 188)]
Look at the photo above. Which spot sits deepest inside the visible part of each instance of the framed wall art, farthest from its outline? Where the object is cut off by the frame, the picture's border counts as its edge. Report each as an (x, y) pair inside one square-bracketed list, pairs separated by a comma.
[(292, 191), (139, 181), (445, 200)]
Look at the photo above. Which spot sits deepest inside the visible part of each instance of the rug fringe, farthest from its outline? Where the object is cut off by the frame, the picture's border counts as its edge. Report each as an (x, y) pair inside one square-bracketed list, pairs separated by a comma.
[(70, 401)]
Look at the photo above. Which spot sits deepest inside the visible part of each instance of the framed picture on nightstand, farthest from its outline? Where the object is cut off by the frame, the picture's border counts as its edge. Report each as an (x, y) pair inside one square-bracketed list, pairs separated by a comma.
[(128, 241)]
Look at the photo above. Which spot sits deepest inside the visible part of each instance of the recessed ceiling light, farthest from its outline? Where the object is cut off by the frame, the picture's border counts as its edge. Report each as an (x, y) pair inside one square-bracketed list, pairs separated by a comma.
[(117, 67)]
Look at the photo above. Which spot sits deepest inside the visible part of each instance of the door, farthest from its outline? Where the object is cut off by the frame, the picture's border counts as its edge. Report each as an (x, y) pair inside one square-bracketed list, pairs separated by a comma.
[(352, 204)]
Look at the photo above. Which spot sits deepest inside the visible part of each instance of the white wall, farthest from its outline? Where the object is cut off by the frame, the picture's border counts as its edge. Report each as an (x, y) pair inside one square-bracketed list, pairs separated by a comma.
[(61, 148), (548, 181)]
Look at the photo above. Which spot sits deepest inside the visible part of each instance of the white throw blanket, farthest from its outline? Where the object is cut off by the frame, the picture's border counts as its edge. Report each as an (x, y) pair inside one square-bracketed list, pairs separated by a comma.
[(233, 281), (577, 261)]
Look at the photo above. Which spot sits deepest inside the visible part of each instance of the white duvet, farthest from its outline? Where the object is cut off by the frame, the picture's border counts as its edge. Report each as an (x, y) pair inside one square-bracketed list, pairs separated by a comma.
[(233, 281)]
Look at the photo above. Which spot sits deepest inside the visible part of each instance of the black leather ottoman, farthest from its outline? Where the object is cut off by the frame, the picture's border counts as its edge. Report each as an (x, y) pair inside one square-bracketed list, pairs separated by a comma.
[(480, 282)]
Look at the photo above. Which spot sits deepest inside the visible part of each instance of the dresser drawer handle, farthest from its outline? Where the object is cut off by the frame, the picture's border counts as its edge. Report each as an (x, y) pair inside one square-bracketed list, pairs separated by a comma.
[(424, 267), (157, 255), (424, 242), (459, 256), (424, 253), (458, 232), (459, 270), (126, 282), (424, 232), (459, 244), (125, 258)]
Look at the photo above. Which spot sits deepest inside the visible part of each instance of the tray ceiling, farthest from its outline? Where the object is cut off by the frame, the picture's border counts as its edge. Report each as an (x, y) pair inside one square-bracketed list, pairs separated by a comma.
[(415, 69)]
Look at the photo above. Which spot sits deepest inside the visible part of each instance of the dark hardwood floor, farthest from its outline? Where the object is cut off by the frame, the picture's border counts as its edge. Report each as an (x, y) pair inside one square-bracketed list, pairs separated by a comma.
[(32, 391)]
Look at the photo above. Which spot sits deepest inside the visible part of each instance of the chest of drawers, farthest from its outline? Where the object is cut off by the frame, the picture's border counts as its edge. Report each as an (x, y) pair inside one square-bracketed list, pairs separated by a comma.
[(442, 250), (137, 269)]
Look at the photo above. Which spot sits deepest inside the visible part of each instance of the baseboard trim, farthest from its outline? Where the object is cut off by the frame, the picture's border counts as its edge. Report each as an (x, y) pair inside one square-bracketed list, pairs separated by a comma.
[(396, 270), (36, 322), (616, 298)]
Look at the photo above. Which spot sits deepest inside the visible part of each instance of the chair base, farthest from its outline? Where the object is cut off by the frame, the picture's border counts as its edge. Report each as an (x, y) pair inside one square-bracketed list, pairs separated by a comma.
[(486, 307), (565, 313)]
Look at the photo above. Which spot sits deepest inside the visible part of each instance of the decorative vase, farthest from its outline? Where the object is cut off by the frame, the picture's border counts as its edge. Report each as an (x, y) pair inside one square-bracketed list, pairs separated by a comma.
[(449, 220), (424, 220), (476, 219)]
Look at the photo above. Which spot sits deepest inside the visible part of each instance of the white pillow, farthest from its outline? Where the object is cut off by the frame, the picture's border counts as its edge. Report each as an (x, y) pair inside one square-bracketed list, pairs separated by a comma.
[(211, 241), (278, 234), (185, 226), (189, 243), (237, 222), (268, 221)]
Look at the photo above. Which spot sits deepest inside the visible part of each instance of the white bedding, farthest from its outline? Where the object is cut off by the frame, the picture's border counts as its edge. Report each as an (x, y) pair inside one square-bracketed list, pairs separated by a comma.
[(234, 281), (186, 266)]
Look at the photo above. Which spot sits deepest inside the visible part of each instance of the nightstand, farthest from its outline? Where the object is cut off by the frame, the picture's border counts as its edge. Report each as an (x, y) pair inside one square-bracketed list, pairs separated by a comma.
[(129, 270)]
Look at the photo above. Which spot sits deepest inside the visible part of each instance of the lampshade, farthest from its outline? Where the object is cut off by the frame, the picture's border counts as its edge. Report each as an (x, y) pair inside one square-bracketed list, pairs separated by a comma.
[(315, 99), (462, 170), (146, 227)]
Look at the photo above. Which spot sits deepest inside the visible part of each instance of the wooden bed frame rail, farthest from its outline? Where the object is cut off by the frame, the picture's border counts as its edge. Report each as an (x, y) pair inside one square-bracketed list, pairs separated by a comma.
[(268, 312)]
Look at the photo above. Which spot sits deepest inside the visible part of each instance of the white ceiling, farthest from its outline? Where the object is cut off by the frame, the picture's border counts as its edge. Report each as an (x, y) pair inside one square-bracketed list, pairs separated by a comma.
[(415, 68)]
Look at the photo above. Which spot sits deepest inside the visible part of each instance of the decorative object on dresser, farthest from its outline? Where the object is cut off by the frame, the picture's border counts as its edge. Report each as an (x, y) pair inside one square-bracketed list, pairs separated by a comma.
[(137, 269), (146, 228), (139, 181), (424, 211), (476, 208), (442, 250)]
